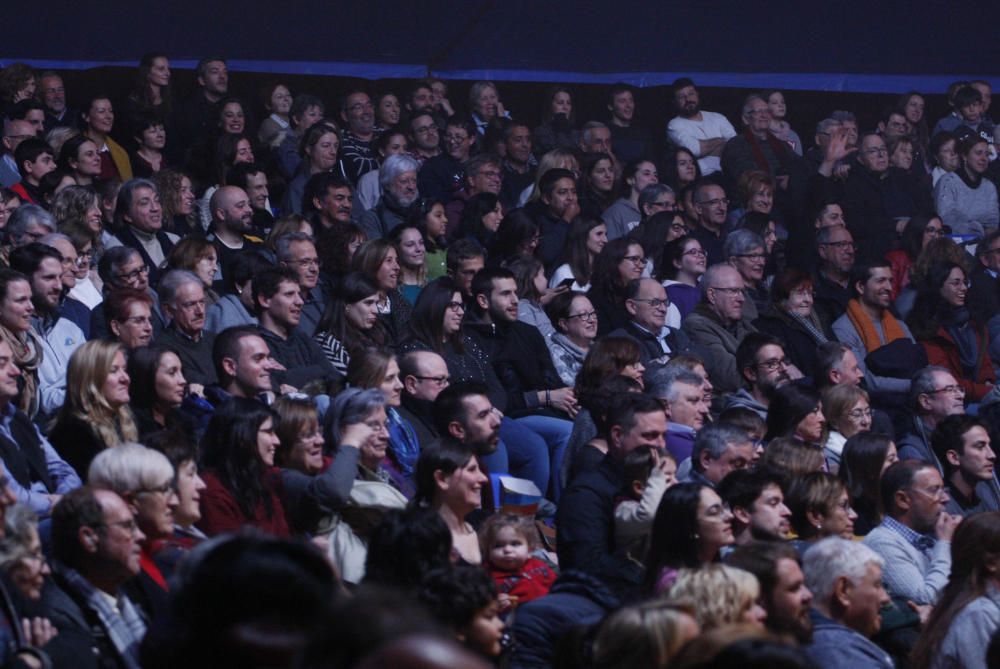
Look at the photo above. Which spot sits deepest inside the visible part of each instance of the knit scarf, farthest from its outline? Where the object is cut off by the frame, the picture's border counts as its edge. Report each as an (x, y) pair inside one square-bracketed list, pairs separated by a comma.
[(809, 326), (862, 322), (28, 358), (776, 145)]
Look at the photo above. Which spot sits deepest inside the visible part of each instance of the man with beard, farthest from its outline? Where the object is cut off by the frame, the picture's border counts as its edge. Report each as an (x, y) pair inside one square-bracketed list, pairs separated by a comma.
[(52, 94), (934, 395), (758, 505), (232, 218), (703, 133), (424, 137), (139, 224), (783, 591), (327, 201), (464, 411), (193, 118), (869, 326), (398, 179), (357, 153), (962, 445), (764, 367), (297, 251), (69, 308)]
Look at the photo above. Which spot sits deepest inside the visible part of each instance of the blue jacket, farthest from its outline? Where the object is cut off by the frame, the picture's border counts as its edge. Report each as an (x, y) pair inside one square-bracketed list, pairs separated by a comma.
[(835, 646)]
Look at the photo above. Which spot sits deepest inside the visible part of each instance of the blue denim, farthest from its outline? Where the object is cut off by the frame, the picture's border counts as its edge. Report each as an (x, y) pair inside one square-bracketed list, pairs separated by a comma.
[(555, 432), (527, 452)]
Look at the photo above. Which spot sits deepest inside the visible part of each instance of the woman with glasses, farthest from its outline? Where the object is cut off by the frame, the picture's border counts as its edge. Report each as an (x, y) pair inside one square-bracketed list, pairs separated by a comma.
[(821, 508), (793, 318), (746, 252), (682, 265), (198, 256), (350, 323), (21, 557), (848, 412), (941, 323), (619, 262), (575, 322), (918, 233), (966, 201)]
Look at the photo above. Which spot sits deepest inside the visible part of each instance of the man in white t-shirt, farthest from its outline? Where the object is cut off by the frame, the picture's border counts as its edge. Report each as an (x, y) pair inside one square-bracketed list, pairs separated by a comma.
[(703, 133)]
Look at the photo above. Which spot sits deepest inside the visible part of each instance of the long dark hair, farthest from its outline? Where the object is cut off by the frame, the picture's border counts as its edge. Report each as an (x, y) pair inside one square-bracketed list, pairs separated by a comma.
[(427, 323), (142, 365), (471, 225), (229, 449), (790, 405), (673, 539), (141, 94), (929, 309), (517, 229), (607, 357), (651, 234), (861, 471), (605, 278), (353, 287), (577, 255), (445, 456), (913, 235)]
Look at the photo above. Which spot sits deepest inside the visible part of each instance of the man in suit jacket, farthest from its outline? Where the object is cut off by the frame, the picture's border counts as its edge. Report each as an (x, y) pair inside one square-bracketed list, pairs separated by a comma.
[(647, 303)]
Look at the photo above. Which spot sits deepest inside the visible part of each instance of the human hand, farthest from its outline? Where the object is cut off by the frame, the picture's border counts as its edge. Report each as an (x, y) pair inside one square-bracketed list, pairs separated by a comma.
[(564, 400), (196, 389), (922, 610), (501, 112), (946, 524), (38, 631), (285, 389), (549, 294), (356, 434), (572, 211)]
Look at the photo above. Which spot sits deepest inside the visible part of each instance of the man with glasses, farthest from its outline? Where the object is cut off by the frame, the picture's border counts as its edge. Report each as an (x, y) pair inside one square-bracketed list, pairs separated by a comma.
[(357, 151), (831, 281), (483, 174), (647, 303), (962, 445), (424, 137), (764, 367), (15, 131), (934, 395), (914, 538), (182, 295), (658, 197), (718, 326), (123, 267), (442, 176), (424, 375), (297, 251), (711, 205)]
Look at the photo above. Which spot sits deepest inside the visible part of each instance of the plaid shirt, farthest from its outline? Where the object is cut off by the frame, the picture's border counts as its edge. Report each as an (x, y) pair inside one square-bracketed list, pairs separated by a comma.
[(125, 627), (921, 542)]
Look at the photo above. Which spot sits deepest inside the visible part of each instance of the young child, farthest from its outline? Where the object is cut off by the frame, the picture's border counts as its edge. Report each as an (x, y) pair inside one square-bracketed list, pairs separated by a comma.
[(648, 474), (507, 541), (464, 599)]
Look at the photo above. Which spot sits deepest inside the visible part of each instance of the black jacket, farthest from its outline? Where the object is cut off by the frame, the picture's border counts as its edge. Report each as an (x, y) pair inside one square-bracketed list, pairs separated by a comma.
[(800, 347), (649, 347), (303, 359)]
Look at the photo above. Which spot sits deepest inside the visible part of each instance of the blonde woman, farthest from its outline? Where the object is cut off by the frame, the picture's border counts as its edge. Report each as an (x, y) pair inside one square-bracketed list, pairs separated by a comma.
[(848, 411), (644, 635), (721, 595), (96, 414)]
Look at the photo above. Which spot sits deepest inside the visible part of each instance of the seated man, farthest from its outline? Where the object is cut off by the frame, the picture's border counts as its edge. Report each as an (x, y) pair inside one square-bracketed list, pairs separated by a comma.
[(69, 308), (559, 207), (232, 223), (845, 578), (243, 365), (252, 180), (832, 280), (758, 505), (914, 537), (424, 375), (297, 251), (681, 392), (464, 260), (836, 364), (443, 175), (398, 179), (27, 224), (783, 591), (278, 298), (123, 267), (719, 449), (646, 302), (327, 201), (464, 412), (934, 395), (764, 368), (139, 224), (483, 174), (717, 325), (962, 445), (182, 295)]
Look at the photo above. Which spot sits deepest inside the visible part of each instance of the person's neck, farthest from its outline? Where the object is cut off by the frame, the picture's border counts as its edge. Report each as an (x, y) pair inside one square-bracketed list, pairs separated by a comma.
[(518, 166), (211, 96), (363, 136), (194, 336), (31, 180), (82, 179), (159, 413), (619, 122), (271, 325), (98, 138), (228, 237), (874, 312), (961, 483), (743, 537), (687, 278), (409, 275), (835, 275), (710, 225), (693, 117), (236, 390), (759, 134), (428, 153), (581, 342), (149, 153), (454, 521), (930, 421), (633, 197), (707, 555), (759, 395), (105, 582)]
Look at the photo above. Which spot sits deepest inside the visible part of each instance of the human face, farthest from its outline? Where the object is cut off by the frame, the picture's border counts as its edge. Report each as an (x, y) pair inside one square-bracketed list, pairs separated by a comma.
[(839, 520), (336, 204), (790, 601), (306, 453), (486, 104), (425, 133), (896, 126), (715, 522), (285, 306), (216, 78), (509, 550), (281, 101), (169, 383), (115, 387), (631, 266), (359, 113), (650, 429), (187, 309), (689, 408), (693, 259), (581, 323), (453, 315), (858, 419), (391, 386), (491, 221), (973, 112), (481, 424), (831, 215), (465, 272), (489, 179), (726, 295), (388, 111), (16, 307), (421, 97), (207, 267), (770, 369), (562, 198), (185, 197), (101, 116), (485, 632), (323, 154), (154, 510), (865, 599), (976, 460), (28, 573), (38, 168), (810, 428), (244, 152), (267, 442), (712, 205), (736, 456), (9, 373), (622, 107), (397, 145), (457, 142), (53, 94), (88, 160), (597, 239), (602, 177), (119, 536), (46, 283), (687, 170), (914, 109), (947, 156), (411, 248), (649, 307), (562, 103), (404, 188), (373, 451), (955, 288), (750, 265), (387, 276), (518, 145), (762, 200), (878, 288), (927, 498), (891, 458), (362, 314), (776, 105), (253, 366), (663, 202), (303, 259), (232, 119), (502, 300), (433, 378), (309, 118), (902, 157), (257, 190), (189, 487), (851, 130), (757, 116), (978, 158), (986, 92), (800, 300), (838, 251), (687, 101), (634, 371), (934, 229), (145, 214), (154, 137), (644, 176), (137, 328), (873, 154), (947, 398), (600, 141), (770, 518)]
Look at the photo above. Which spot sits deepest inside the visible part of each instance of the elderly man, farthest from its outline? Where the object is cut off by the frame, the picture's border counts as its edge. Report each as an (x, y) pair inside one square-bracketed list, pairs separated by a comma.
[(398, 179), (681, 392), (717, 325), (934, 395), (95, 546), (962, 445), (836, 364), (647, 303), (14, 132), (711, 207), (914, 537), (832, 280), (703, 133), (719, 449), (123, 267), (328, 200), (483, 174), (52, 94), (357, 150), (182, 296), (139, 224), (297, 251), (29, 223), (764, 368), (424, 375), (845, 578)]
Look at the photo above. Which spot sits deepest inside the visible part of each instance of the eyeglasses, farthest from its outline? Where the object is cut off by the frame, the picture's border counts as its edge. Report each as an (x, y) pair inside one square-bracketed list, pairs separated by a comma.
[(858, 414), (306, 262), (490, 174), (584, 316), (715, 201), (164, 489), (732, 292), (456, 306), (695, 252), (436, 380), (455, 139), (655, 302), (127, 525), (361, 106), (635, 260), (134, 274), (773, 364), (951, 390), (935, 492), (139, 320), (840, 246), (877, 151), (426, 129)]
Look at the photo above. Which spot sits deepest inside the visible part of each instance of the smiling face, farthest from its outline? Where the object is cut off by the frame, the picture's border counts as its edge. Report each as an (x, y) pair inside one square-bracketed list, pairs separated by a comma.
[(715, 523), (28, 573), (101, 116), (285, 306), (16, 307), (306, 454), (955, 288), (189, 487), (486, 104), (388, 111), (281, 101), (387, 276), (169, 382), (145, 214), (877, 290), (392, 386), (373, 451), (462, 490), (562, 103), (116, 383), (581, 323), (267, 442), (231, 118)]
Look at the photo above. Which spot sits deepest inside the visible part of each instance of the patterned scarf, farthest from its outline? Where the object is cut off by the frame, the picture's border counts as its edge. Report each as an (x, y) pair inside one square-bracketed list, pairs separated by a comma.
[(28, 357)]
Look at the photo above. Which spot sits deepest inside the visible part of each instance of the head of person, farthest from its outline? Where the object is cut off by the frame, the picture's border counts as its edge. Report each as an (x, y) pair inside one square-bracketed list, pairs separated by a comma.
[(847, 409), (139, 206), (97, 115), (636, 175), (723, 290), (517, 143), (721, 594), (299, 435), (720, 449), (176, 194), (646, 634), (252, 178), (328, 197), (278, 297), (636, 421), (129, 314), (849, 123), (243, 361), (783, 591), (16, 304), (213, 76), (354, 406), (692, 524), (836, 364), (197, 256), (157, 379), (756, 190), (484, 99), (97, 387), (913, 493), (66, 247), (607, 358), (448, 475), (558, 190), (398, 179), (974, 153), (21, 555), (459, 137), (377, 368), (988, 251), (682, 257), (483, 174), (80, 158), (746, 251), (796, 412), (42, 264), (845, 578), (962, 446), (900, 151), (620, 261), (821, 506), (873, 153), (757, 503), (297, 251), (464, 600), (34, 159), (686, 98), (481, 217), (572, 314), (29, 223), (762, 363), (968, 102), (424, 375), (944, 152), (464, 259), (756, 115), (306, 111), (464, 412), (320, 147), (646, 302), (182, 297), (437, 315), (405, 546), (835, 246), (655, 198), (711, 204), (935, 394), (680, 392), (621, 104), (872, 285), (595, 137), (144, 479), (517, 235)]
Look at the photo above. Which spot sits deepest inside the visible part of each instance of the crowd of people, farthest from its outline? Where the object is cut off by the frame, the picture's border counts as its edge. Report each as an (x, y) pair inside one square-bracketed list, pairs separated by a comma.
[(408, 382)]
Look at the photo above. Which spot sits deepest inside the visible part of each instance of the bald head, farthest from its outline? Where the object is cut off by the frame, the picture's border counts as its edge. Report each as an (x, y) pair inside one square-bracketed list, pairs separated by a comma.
[(424, 374), (231, 210), (15, 132)]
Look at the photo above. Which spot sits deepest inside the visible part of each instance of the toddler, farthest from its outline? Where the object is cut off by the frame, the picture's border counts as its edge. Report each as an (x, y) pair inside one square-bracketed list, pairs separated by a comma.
[(507, 542), (648, 473)]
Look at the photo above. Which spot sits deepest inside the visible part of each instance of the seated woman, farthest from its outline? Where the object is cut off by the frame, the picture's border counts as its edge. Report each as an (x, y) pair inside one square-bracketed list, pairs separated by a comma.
[(157, 390), (533, 293), (21, 559), (619, 262), (941, 323), (597, 184), (96, 414), (378, 260), (865, 458), (558, 128), (318, 148), (587, 238), (746, 251), (517, 235), (624, 214), (796, 412), (682, 264), (965, 200), (350, 323), (150, 138), (722, 595), (198, 256), (575, 322), (430, 218), (182, 453), (450, 481), (412, 255), (919, 232), (243, 484), (235, 306), (481, 219), (178, 202), (129, 316), (790, 459), (848, 412), (691, 527), (793, 319), (820, 508), (143, 478)]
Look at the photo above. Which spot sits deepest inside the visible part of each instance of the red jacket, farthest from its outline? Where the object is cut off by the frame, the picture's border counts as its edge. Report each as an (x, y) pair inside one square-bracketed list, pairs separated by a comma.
[(942, 350), (531, 581), (900, 263), (220, 513)]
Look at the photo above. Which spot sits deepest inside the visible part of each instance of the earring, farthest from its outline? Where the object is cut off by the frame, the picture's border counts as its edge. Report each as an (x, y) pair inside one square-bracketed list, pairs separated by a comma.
[(697, 536)]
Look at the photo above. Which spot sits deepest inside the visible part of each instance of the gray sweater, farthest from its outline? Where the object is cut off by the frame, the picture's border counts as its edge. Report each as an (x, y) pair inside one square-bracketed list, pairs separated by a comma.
[(964, 646), (969, 211)]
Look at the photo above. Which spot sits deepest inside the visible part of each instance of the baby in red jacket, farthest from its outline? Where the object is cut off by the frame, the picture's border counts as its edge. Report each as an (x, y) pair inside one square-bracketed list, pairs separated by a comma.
[(507, 541)]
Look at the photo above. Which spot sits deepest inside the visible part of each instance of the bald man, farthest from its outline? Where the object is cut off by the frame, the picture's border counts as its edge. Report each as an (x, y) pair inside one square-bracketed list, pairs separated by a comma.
[(232, 219), (14, 132)]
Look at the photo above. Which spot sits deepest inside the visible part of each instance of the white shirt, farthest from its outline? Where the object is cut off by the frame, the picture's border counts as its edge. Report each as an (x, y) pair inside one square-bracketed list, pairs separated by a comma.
[(687, 132)]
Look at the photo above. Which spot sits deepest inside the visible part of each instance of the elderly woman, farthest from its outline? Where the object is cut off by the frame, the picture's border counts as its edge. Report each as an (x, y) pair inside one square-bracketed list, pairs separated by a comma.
[(575, 322), (198, 256), (188, 484), (143, 478), (129, 316), (792, 318), (21, 557), (746, 252), (722, 595), (848, 412)]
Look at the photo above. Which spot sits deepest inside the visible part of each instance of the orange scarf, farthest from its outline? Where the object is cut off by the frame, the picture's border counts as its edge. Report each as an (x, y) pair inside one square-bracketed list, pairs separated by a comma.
[(862, 322)]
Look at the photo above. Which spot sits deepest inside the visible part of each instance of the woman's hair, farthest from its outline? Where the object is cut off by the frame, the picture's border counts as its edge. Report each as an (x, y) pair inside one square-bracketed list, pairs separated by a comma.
[(427, 322), (550, 95), (605, 276), (838, 401), (445, 456), (168, 183), (939, 250), (353, 287), (418, 216), (966, 143), (88, 368), (297, 414), (920, 130), (549, 161), (517, 229), (349, 407), (13, 79), (938, 141), (396, 237), (332, 246), (286, 225), (790, 405), (20, 525), (314, 134), (673, 252), (787, 281), (628, 172), (523, 525), (370, 256), (118, 303), (648, 634), (750, 182), (577, 255), (975, 549), (788, 458), (588, 163), (142, 366), (71, 204), (471, 224), (405, 546), (229, 448), (189, 252), (369, 370), (720, 594), (226, 147), (142, 90), (913, 235), (607, 358), (651, 235), (70, 151), (559, 307), (930, 308), (670, 176), (525, 268), (861, 464), (893, 143), (813, 492), (674, 536)]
